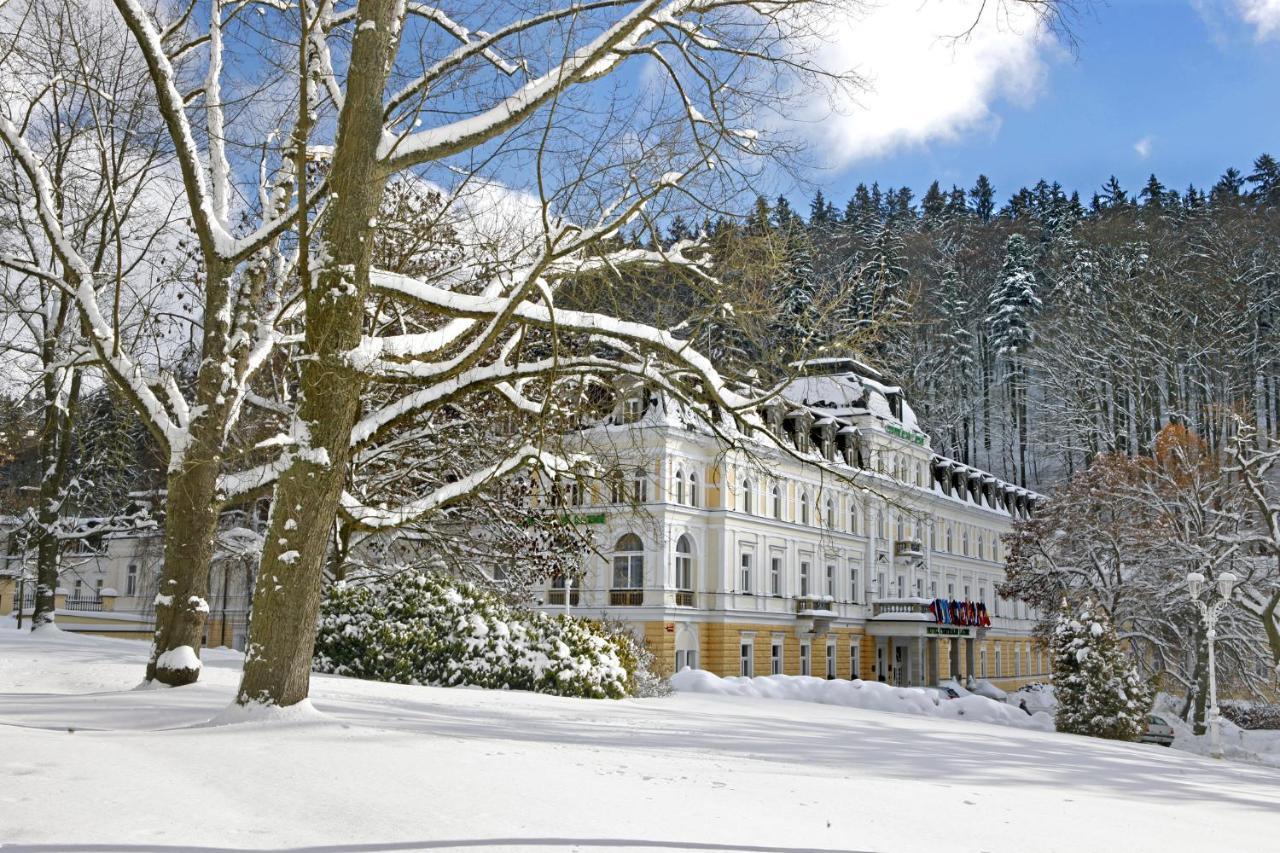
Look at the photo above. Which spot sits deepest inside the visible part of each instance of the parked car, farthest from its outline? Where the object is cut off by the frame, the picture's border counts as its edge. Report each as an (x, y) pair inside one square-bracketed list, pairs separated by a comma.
[(942, 693), (1158, 731)]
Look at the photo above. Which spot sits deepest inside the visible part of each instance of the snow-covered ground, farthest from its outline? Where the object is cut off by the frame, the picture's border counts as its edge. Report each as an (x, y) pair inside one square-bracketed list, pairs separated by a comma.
[(87, 764)]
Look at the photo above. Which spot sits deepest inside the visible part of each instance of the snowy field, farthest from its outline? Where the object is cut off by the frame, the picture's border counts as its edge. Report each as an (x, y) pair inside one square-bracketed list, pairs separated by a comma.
[(87, 764)]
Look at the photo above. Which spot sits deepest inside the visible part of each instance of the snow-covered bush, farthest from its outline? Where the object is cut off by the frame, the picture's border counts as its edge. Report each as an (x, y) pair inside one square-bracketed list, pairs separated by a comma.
[(417, 628), (1096, 684), (1252, 715)]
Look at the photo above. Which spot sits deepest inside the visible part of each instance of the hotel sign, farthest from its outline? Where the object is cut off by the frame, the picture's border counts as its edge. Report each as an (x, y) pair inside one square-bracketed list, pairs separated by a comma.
[(905, 434), (947, 631)]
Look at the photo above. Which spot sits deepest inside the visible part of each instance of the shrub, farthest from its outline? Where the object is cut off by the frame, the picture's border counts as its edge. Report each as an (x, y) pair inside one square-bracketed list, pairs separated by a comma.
[(418, 628), (1252, 715)]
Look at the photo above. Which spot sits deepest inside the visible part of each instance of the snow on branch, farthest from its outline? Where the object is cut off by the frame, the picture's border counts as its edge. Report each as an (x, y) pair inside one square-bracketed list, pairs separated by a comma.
[(375, 518)]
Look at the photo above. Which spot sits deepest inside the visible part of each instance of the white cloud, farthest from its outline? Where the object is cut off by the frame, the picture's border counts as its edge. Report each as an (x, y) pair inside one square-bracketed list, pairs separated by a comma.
[(1143, 147), (925, 84), (1263, 15)]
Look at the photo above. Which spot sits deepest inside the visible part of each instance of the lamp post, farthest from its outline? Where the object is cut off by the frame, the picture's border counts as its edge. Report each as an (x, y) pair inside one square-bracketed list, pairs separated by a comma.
[(1210, 607)]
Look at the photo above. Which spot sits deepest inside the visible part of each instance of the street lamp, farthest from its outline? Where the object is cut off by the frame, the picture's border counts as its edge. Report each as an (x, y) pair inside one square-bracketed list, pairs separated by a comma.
[(1210, 608)]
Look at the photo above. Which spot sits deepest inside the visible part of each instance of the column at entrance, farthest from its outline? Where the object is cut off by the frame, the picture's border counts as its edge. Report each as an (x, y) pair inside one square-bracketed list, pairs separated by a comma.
[(968, 658)]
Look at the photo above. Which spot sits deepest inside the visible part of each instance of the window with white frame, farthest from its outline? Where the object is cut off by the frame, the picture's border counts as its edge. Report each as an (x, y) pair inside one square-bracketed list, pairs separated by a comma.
[(881, 589), (853, 517), (745, 503), (855, 656), (628, 562), (901, 532), (775, 656), (775, 495), (1017, 660), (693, 488), (775, 575), (854, 594), (806, 664), (679, 485), (982, 663), (999, 670), (747, 656), (831, 580), (745, 571), (804, 507), (687, 658), (831, 659), (831, 514), (131, 580), (950, 542), (804, 577), (639, 486), (902, 586), (880, 530), (964, 541), (684, 563)]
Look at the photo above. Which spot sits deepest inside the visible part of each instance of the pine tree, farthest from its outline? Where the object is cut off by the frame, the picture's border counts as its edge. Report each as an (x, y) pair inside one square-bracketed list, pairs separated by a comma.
[(1097, 685), (984, 198), (1265, 180), (1014, 299), (1227, 190), (1113, 195)]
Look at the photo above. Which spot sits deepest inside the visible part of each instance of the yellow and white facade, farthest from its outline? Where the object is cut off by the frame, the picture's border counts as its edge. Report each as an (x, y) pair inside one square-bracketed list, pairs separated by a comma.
[(819, 557)]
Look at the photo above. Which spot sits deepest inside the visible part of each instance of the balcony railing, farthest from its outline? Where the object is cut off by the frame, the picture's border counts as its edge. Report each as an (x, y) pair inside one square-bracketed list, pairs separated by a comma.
[(809, 605), (556, 596), (626, 597), (684, 598), (84, 604), (913, 607)]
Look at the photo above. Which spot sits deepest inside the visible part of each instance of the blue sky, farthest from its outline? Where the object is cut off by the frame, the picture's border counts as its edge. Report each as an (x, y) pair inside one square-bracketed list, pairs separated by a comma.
[(1198, 81)]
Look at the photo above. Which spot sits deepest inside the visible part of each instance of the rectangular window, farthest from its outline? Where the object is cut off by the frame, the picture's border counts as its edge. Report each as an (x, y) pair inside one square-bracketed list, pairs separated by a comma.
[(881, 589), (681, 661), (999, 671), (804, 577), (853, 585), (775, 575), (746, 657), (628, 571), (982, 663), (775, 657), (805, 663), (831, 661), (831, 581), (131, 581), (902, 586), (746, 571), (855, 654)]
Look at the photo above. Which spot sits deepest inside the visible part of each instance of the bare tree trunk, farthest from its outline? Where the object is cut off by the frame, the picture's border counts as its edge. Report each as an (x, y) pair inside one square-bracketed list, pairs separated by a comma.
[(277, 668), (181, 603)]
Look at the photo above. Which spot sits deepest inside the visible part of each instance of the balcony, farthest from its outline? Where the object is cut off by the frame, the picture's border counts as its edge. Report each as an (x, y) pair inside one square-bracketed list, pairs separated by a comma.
[(684, 598), (908, 548), (556, 596), (626, 597), (812, 605)]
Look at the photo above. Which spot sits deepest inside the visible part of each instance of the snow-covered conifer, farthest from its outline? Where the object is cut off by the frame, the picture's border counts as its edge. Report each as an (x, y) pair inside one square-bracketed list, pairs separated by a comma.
[(1097, 685)]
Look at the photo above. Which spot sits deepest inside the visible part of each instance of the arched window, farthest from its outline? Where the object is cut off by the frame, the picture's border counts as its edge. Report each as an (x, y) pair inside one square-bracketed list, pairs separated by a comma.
[(950, 544), (693, 488), (982, 547), (901, 532), (628, 562), (679, 485), (964, 541), (804, 507), (853, 517), (775, 495), (639, 486), (684, 563), (880, 532), (746, 495), (831, 514), (616, 493)]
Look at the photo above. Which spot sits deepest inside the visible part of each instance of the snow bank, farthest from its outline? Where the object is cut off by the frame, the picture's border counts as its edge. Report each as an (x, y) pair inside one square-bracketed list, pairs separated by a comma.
[(258, 712), (1253, 746), (865, 695)]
